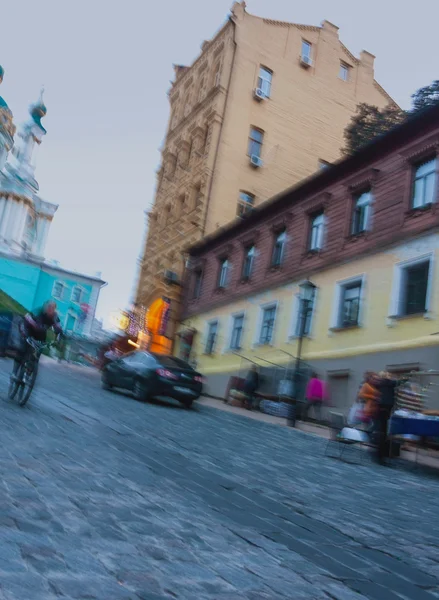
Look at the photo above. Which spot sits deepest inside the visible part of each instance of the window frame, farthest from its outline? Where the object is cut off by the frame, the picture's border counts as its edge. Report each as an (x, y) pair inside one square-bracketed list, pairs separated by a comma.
[(81, 293), (316, 245), (395, 311), (338, 302), (210, 346), (277, 235), (248, 259), (224, 269), (233, 317), (323, 164), (64, 287), (304, 44), (244, 204), (344, 68), (262, 309), (355, 230), (268, 81), (254, 143), (415, 168), (197, 284)]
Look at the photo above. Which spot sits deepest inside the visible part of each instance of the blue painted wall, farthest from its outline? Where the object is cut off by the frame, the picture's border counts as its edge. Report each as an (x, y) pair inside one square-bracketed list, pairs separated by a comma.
[(66, 303), (32, 285), (19, 281)]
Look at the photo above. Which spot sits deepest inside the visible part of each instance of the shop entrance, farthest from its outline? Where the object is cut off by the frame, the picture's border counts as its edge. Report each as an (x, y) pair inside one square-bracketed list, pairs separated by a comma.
[(156, 323)]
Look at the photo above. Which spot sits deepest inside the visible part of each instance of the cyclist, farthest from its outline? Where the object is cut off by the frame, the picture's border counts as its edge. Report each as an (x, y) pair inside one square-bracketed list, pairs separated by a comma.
[(35, 325)]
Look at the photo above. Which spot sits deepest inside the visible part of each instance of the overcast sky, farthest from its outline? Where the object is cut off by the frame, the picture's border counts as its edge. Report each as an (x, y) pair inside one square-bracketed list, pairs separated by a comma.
[(107, 65)]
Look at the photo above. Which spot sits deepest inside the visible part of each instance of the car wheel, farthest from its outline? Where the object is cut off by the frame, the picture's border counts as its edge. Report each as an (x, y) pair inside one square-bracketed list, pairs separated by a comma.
[(140, 391), (104, 382), (187, 403)]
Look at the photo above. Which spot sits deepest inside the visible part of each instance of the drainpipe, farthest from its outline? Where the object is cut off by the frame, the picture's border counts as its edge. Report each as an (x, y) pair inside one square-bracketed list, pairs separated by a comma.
[(221, 127)]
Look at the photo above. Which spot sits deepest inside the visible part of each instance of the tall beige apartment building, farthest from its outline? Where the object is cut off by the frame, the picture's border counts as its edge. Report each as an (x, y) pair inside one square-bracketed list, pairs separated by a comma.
[(263, 106)]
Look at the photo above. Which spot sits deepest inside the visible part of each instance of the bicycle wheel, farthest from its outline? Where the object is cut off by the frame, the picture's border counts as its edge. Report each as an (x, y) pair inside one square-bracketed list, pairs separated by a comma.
[(30, 375), (15, 383)]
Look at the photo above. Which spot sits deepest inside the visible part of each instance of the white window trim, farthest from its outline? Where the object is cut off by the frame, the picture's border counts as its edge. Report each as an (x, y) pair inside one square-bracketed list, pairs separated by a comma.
[(394, 308), (228, 344), (274, 304), (292, 334), (206, 335), (348, 71), (322, 231), (82, 294), (63, 288), (261, 76), (339, 285), (369, 214), (310, 47)]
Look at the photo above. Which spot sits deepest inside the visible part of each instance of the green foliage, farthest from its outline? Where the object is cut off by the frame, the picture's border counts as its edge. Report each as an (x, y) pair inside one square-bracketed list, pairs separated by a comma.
[(368, 123), (426, 96), (8, 304)]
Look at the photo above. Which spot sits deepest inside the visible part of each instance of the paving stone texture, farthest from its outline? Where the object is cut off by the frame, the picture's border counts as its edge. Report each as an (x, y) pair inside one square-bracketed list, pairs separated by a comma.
[(103, 497)]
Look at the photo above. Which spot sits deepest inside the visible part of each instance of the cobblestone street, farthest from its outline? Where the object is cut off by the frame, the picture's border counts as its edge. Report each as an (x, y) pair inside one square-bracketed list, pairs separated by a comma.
[(106, 498)]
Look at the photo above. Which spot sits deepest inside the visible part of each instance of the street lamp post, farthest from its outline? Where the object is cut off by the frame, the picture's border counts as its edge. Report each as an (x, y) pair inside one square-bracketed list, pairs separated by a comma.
[(306, 299)]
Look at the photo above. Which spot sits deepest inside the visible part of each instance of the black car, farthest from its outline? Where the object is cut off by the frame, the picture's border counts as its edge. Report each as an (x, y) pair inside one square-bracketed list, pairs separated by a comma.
[(151, 375)]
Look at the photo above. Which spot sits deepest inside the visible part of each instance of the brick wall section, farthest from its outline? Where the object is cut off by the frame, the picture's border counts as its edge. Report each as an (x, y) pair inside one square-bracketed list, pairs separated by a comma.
[(386, 167)]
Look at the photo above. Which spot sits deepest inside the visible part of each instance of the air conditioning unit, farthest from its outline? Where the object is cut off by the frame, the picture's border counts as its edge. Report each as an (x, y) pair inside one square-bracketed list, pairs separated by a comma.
[(306, 61), (170, 276), (258, 94), (255, 161)]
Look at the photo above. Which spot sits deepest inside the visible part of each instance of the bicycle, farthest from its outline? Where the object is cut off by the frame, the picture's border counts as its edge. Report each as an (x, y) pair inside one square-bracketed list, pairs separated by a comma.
[(22, 383)]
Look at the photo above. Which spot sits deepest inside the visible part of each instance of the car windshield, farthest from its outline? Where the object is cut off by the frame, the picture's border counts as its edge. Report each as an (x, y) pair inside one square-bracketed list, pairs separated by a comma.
[(172, 362)]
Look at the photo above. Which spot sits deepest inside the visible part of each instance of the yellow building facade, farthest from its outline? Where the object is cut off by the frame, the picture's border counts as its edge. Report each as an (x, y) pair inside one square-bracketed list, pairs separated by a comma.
[(263, 106), (340, 271), (381, 341)]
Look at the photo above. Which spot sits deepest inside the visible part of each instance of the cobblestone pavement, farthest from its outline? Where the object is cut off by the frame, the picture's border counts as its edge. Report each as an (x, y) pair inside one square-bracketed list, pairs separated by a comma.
[(103, 497)]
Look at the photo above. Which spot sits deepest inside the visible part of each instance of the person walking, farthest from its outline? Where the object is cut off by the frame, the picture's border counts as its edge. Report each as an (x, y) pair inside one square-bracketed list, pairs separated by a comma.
[(250, 386), (316, 395), (386, 386)]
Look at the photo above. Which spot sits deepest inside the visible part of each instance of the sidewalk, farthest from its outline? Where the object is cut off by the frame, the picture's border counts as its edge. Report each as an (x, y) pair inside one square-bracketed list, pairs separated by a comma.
[(426, 458)]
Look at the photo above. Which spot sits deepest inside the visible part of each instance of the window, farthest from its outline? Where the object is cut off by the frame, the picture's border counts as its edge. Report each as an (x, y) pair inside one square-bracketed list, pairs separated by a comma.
[(264, 81), (350, 304), (255, 142), (212, 330), (58, 290), (249, 258), (424, 185), (198, 282), (279, 248), (323, 164), (245, 203), (344, 71), (267, 325), (316, 234), (77, 294), (413, 295), (237, 330), (223, 273), (306, 51), (361, 216)]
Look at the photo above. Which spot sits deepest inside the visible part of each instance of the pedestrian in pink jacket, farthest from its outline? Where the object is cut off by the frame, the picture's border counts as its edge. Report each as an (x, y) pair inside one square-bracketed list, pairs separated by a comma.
[(316, 395)]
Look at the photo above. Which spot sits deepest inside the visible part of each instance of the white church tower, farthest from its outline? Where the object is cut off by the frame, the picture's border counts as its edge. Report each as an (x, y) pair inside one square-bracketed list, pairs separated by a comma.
[(24, 217)]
